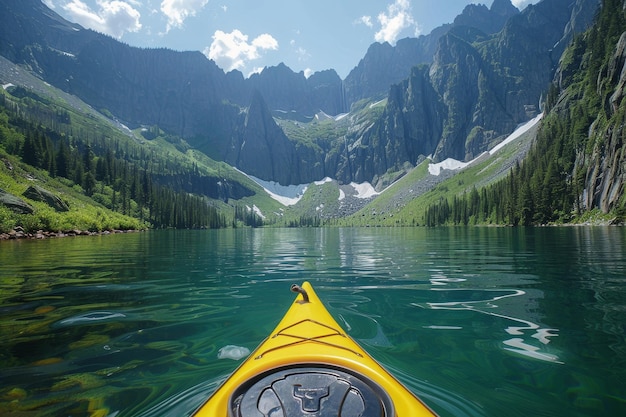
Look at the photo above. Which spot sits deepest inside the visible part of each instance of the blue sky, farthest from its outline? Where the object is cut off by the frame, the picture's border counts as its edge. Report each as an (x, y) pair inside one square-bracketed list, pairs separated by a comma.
[(248, 35)]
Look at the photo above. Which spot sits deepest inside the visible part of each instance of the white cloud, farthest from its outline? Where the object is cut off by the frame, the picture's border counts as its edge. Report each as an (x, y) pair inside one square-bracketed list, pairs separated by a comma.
[(394, 20), (177, 11), (256, 70), (265, 41), (232, 50), (521, 4), (366, 20), (114, 17), (308, 72), (303, 54), (49, 4), (418, 30)]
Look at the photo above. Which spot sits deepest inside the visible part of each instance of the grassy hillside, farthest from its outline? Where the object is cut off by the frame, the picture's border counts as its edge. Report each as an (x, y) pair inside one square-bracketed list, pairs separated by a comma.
[(84, 214), (406, 201), (109, 176)]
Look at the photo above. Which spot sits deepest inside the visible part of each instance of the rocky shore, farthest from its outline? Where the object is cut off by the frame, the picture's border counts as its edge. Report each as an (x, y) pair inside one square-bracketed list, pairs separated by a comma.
[(19, 233)]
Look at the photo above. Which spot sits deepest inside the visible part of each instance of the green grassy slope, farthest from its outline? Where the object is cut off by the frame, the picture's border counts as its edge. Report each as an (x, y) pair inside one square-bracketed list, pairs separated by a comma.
[(116, 178)]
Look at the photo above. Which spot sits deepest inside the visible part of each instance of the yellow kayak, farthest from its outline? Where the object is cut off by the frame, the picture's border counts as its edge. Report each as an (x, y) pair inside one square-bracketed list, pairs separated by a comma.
[(310, 367)]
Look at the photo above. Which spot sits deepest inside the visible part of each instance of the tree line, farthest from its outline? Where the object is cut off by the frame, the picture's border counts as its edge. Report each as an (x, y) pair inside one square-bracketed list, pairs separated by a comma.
[(548, 185), (114, 173)]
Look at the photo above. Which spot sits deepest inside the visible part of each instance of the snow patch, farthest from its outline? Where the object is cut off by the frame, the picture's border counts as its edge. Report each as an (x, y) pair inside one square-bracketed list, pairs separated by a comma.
[(449, 163), (256, 211), (8, 85), (521, 129), (324, 181), (287, 195), (377, 103), (453, 164), (364, 190), (323, 116)]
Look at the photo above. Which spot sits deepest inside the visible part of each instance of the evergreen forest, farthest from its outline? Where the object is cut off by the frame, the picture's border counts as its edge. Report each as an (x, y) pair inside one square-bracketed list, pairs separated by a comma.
[(548, 185)]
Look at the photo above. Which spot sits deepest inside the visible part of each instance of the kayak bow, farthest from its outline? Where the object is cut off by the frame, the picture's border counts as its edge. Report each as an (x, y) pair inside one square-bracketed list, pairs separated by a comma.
[(309, 366)]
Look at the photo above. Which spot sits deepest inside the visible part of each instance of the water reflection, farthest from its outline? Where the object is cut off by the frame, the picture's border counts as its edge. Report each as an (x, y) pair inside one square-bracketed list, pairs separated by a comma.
[(511, 321), (521, 345)]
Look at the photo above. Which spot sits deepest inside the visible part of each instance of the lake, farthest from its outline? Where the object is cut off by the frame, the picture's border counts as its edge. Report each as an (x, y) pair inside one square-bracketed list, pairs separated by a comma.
[(476, 321)]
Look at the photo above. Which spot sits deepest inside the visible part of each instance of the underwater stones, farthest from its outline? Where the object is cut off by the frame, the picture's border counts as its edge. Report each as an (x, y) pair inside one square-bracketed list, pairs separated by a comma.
[(47, 361), (15, 394), (81, 380), (44, 309), (90, 340)]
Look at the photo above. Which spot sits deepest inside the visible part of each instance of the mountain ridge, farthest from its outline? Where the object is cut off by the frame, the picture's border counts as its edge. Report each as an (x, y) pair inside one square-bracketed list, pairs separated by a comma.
[(190, 96), (479, 86)]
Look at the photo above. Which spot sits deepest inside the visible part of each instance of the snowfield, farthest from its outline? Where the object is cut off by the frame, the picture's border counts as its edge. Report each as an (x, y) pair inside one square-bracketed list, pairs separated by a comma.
[(364, 190), (289, 195), (453, 164)]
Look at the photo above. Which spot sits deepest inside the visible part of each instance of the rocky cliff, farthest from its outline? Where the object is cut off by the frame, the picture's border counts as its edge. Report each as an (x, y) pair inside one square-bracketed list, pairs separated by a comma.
[(175, 90), (487, 72), (384, 65), (480, 87), (286, 90), (605, 165)]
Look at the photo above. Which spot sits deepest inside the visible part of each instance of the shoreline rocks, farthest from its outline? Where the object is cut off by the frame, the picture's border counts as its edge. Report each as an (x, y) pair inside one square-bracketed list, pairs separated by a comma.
[(19, 233)]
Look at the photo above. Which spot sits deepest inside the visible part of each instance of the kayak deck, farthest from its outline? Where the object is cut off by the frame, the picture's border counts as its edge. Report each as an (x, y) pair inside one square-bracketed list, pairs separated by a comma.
[(309, 366)]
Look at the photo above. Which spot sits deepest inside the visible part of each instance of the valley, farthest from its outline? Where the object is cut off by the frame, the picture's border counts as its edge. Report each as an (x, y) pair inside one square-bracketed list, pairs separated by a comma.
[(164, 139)]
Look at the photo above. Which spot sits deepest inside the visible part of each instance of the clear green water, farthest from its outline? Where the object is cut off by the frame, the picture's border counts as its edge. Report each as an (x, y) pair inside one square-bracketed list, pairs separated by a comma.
[(476, 321)]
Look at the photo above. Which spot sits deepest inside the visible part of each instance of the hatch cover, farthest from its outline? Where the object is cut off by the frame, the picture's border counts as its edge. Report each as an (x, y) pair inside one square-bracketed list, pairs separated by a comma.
[(310, 392)]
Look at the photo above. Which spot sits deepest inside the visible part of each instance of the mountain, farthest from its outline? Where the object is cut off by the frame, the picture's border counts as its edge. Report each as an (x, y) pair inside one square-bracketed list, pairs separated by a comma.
[(384, 65), (76, 91), (576, 167), (478, 88), (174, 90), (283, 89), (591, 106), (484, 74)]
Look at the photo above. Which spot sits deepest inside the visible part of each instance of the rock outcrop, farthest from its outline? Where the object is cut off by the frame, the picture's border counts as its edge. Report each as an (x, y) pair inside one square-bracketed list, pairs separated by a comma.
[(384, 64), (39, 194), (282, 89), (487, 73), (605, 180), (15, 203)]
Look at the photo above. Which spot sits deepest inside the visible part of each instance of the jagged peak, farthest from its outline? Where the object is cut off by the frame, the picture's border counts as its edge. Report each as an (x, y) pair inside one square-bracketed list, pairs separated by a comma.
[(504, 8)]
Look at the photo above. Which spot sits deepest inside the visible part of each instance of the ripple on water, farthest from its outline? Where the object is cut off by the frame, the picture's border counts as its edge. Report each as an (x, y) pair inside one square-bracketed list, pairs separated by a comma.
[(90, 318)]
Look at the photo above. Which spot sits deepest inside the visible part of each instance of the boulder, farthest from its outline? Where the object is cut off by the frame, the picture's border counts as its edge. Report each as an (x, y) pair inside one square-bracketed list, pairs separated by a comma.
[(15, 203), (39, 194)]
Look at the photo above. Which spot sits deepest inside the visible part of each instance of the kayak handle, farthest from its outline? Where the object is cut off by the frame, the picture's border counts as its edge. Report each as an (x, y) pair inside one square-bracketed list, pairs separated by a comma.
[(300, 290)]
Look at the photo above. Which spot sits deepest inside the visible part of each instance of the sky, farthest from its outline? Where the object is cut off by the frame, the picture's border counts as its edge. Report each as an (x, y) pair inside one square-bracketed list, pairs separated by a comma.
[(248, 35)]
